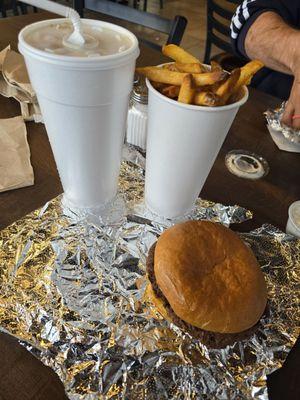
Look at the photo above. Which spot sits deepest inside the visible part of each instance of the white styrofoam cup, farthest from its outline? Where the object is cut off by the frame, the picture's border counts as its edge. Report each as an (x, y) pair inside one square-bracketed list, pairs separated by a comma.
[(84, 103), (182, 144)]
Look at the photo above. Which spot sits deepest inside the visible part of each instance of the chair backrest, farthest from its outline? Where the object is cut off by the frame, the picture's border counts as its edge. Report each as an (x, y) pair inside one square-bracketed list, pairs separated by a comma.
[(17, 7), (218, 25), (6, 6), (173, 28)]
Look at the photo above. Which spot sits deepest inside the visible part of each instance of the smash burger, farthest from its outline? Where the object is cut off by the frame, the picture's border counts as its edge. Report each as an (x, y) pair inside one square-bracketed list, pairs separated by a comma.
[(205, 280)]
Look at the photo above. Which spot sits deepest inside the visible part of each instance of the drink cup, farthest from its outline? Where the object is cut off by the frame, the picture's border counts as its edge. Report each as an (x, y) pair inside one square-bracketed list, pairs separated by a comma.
[(84, 103), (182, 144)]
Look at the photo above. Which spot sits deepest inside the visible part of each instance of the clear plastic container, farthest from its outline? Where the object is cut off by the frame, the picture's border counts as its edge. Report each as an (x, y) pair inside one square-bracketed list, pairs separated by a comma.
[(293, 224)]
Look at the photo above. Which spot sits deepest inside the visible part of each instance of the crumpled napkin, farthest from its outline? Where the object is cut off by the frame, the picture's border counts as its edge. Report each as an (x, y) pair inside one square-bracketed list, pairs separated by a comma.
[(14, 82), (15, 167)]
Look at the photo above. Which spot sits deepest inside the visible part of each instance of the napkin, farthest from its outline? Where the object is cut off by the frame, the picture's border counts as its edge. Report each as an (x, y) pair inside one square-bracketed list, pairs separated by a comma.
[(15, 167), (14, 82)]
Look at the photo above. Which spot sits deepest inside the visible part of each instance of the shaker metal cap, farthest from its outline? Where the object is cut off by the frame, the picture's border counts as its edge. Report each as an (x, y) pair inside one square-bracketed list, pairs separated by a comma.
[(140, 93)]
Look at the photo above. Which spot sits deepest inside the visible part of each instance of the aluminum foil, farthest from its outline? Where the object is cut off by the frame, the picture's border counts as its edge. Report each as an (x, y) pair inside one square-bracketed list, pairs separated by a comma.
[(72, 292), (274, 121)]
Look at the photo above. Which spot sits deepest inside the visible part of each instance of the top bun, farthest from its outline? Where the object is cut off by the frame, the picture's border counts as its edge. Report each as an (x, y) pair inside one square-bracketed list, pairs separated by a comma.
[(210, 278)]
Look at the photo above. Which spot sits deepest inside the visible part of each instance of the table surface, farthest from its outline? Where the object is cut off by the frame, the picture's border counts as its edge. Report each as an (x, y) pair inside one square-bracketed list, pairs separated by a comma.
[(24, 377)]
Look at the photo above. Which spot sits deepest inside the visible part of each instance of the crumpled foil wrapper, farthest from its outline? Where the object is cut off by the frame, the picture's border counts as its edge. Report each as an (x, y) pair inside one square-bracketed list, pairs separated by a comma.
[(72, 292), (274, 121)]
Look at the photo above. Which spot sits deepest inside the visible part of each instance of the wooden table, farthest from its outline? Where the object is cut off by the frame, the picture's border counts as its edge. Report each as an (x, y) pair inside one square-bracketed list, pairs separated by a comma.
[(24, 377)]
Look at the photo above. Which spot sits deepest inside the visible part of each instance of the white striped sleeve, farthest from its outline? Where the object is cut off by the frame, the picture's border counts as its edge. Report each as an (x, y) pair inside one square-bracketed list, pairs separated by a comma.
[(239, 18)]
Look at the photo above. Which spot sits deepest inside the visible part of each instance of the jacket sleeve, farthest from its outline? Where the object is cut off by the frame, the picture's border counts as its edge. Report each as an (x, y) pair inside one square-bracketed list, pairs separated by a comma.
[(249, 10)]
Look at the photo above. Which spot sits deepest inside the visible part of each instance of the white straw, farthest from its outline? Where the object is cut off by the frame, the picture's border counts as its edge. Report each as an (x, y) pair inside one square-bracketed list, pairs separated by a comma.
[(65, 12)]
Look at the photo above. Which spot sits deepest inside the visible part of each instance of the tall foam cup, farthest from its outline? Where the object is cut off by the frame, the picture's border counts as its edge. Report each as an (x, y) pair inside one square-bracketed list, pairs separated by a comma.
[(182, 144), (84, 103)]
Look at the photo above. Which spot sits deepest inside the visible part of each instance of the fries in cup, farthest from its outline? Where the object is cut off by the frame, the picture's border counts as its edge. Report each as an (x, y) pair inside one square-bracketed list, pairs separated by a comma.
[(208, 99), (189, 81), (187, 90), (191, 68), (171, 91), (247, 72), (227, 88), (159, 86), (178, 54), (215, 66), (163, 75), (171, 67)]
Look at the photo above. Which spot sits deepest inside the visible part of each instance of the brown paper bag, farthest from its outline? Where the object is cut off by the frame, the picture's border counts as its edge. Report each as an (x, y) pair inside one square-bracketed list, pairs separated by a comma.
[(31, 111), (14, 82), (3, 55), (5, 89), (15, 72), (15, 167)]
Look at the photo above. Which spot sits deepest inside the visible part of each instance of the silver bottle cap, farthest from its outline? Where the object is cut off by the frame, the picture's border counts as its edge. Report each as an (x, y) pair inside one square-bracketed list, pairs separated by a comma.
[(140, 94)]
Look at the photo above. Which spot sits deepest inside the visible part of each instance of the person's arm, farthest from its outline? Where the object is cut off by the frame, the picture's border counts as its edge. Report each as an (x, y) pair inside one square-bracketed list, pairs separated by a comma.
[(273, 42), (261, 29), (277, 45)]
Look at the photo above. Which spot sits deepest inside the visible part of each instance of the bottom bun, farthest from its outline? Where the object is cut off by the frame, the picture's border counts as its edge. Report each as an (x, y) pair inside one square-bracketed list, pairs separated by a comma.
[(210, 339)]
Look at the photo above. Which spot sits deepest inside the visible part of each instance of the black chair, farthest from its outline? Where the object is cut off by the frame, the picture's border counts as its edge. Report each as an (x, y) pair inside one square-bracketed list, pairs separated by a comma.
[(161, 3), (17, 7), (173, 28), (6, 6), (218, 30)]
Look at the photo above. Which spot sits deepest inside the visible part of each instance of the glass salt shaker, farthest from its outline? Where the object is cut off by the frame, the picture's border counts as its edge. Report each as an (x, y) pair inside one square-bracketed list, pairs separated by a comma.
[(138, 116)]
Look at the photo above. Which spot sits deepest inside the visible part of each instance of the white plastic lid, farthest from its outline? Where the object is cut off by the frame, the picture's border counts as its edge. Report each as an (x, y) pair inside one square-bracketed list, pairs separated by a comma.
[(101, 62)]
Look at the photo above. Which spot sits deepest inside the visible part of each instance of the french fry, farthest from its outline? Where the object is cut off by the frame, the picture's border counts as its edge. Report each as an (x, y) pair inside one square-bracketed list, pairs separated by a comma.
[(178, 54), (187, 90), (161, 75), (216, 85), (226, 89), (170, 67), (205, 88), (191, 68), (215, 66), (209, 99), (208, 78), (247, 72), (158, 86), (236, 96), (171, 91)]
